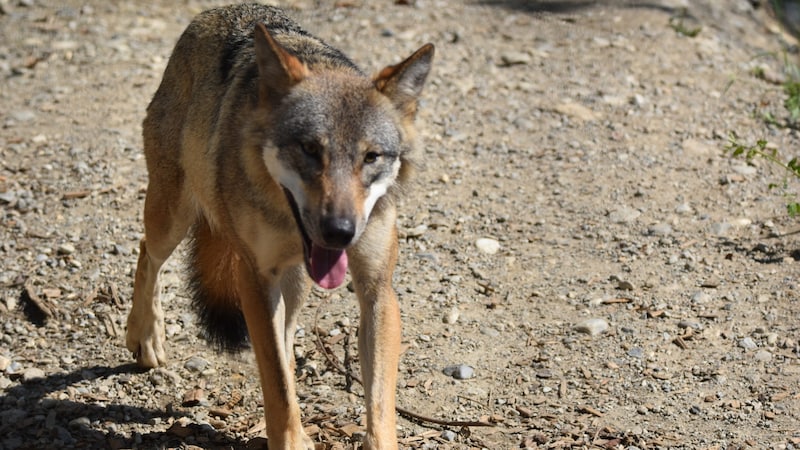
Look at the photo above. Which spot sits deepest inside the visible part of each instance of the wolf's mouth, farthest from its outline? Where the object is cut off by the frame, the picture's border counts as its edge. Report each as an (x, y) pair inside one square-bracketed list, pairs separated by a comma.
[(326, 266)]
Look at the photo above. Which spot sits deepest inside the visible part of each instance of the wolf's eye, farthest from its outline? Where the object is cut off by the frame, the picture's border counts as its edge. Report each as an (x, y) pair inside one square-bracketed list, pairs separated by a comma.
[(371, 157), (311, 149)]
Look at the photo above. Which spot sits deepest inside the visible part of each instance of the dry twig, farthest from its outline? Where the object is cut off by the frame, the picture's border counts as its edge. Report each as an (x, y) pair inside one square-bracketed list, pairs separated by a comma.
[(402, 411)]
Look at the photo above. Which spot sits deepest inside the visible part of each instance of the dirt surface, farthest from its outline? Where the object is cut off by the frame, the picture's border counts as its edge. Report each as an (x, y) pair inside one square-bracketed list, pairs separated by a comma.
[(582, 141)]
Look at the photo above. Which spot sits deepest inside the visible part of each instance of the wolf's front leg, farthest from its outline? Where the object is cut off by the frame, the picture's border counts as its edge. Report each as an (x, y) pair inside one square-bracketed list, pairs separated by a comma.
[(373, 260), (265, 314), (145, 335)]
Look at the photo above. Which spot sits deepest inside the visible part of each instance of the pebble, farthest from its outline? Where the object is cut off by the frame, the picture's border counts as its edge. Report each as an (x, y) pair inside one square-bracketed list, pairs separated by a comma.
[(701, 297), (625, 285), (698, 148), (744, 170), (720, 228), (32, 373), (488, 246), (660, 229), (748, 344), (592, 327), (683, 208), (4, 363), (459, 371), (23, 115), (451, 316), (763, 356), (624, 214), (196, 364), (772, 338), (449, 435), (636, 352), (515, 58), (577, 111), (65, 249), (172, 329), (80, 422), (689, 324)]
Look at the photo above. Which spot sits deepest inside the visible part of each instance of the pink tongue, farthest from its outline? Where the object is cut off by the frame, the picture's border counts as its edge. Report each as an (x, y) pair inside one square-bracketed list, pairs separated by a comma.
[(327, 267)]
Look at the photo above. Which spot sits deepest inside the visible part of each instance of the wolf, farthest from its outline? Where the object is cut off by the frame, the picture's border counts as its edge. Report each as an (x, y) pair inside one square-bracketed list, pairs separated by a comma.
[(281, 161)]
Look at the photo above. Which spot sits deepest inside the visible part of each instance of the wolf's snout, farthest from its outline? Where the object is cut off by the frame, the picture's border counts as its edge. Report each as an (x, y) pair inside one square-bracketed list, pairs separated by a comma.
[(338, 231)]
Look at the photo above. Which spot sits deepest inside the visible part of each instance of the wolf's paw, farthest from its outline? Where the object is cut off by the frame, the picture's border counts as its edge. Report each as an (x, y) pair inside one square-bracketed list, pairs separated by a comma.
[(372, 442), (145, 339)]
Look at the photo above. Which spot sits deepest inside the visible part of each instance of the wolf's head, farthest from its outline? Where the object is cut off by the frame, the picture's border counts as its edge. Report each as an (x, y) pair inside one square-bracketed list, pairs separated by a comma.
[(337, 143)]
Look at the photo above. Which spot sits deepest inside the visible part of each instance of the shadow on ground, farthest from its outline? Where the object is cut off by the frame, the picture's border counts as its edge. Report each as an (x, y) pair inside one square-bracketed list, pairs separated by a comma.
[(32, 419)]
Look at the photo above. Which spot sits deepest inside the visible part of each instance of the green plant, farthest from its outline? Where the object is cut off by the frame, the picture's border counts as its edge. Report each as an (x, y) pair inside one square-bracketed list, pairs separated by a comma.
[(761, 149), (676, 22), (792, 102), (791, 88)]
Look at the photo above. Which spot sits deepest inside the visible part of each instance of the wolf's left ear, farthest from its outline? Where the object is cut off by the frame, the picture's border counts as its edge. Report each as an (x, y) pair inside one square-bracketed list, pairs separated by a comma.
[(403, 82), (278, 69)]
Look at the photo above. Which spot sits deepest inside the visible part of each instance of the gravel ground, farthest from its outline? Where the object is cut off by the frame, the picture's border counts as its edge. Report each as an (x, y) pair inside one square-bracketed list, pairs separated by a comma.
[(582, 265)]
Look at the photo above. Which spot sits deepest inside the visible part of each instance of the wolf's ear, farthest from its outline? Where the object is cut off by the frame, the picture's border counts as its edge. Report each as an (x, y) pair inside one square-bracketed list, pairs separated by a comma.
[(278, 70), (403, 82)]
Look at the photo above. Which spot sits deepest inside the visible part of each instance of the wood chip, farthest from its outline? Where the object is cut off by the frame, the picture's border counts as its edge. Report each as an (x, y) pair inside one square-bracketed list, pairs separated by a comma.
[(612, 301), (524, 411), (220, 412), (193, 397), (680, 343), (590, 410), (349, 429), (76, 195), (35, 307), (780, 396)]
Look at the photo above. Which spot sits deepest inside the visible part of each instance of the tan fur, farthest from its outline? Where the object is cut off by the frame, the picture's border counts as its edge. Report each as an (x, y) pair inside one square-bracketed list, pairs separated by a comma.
[(262, 142)]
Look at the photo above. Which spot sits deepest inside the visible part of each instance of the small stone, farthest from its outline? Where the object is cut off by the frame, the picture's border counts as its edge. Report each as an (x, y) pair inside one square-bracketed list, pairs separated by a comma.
[(172, 329), (748, 344), (196, 364), (23, 116), (488, 246), (515, 58), (451, 316), (66, 249), (636, 352), (763, 356), (742, 222), (683, 208), (80, 422), (700, 298), (720, 228), (417, 231), (592, 327), (577, 111), (772, 338), (683, 324), (4, 363), (697, 147), (661, 229), (459, 371), (745, 170), (32, 373), (623, 214), (449, 435), (625, 285)]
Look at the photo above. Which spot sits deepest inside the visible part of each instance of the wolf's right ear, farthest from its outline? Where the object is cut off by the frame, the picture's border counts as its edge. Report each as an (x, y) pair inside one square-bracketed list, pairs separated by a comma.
[(403, 82), (278, 70)]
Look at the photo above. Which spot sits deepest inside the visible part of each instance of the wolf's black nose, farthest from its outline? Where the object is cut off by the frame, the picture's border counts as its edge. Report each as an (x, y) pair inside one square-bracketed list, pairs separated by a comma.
[(338, 231)]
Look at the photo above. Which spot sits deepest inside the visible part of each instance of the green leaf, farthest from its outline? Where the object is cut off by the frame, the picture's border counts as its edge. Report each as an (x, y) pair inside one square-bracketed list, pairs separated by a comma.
[(793, 209)]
